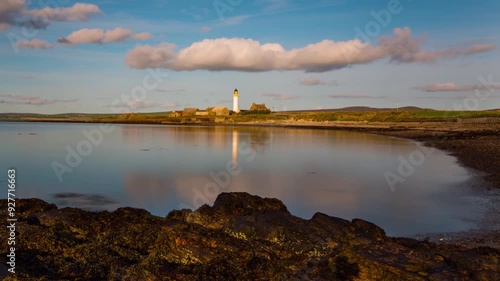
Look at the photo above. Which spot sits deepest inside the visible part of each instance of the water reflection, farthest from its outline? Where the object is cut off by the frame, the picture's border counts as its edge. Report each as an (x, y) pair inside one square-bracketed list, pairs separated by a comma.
[(235, 146), (336, 173), (144, 187), (161, 168)]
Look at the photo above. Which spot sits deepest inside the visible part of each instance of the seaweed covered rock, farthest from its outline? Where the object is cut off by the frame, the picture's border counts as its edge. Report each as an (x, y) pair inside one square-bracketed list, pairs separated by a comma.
[(240, 237)]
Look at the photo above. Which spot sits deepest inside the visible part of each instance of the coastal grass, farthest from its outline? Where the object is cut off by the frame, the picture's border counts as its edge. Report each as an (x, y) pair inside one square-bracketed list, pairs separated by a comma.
[(423, 115), (391, 116)]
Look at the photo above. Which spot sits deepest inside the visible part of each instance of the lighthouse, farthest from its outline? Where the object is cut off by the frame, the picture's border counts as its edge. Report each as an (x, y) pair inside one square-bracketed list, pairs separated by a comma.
[(236, 107)]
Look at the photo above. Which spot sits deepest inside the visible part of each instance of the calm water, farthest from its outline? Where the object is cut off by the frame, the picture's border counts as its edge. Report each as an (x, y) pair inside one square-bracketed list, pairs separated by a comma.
[(160, 168)]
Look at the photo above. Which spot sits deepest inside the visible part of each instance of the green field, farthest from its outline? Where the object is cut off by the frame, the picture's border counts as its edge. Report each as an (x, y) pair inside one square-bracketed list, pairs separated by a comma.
[(392, 116), (313, 116)]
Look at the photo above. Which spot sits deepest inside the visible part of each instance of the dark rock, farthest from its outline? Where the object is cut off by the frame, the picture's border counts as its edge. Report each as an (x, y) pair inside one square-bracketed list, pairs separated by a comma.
[(241, 203), (32, 220), (240, 237), (369, 229), (30, 206)]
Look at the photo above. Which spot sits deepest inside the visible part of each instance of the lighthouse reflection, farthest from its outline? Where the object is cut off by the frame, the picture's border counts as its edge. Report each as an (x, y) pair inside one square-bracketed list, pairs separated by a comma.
[(235, 146), (252, 141)]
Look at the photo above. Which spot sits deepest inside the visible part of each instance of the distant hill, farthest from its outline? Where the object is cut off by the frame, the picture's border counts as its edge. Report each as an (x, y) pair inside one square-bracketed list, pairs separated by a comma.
[(362, 109), (21, 115), (39, 114)]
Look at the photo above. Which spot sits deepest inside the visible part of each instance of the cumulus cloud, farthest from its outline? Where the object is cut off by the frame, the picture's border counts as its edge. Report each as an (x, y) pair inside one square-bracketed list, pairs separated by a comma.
[(10, 12), (78, 12), (452, 87), (280, 96), (159, 56), (226, 54), (25, 100), (14, 12), (354, 96), (404, 48), (249, 55), (100, 36), (311, 81), (33, 44)]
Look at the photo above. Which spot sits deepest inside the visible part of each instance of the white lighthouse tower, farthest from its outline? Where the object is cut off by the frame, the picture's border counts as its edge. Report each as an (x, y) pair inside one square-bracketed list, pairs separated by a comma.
[(236, 106)]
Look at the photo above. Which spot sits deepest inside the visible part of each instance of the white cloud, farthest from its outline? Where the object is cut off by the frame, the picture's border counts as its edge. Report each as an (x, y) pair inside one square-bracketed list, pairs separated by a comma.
[(158, 56), (100, 36), (142, 36), (452, 87), (78, 12), (249, 55), (403, 48), (10, 12), (114, 35), (14, 12), (33, 44), (480, 48)]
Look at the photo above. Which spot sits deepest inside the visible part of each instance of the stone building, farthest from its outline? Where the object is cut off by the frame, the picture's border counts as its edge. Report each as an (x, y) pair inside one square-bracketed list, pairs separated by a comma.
[(176, 114), (258, 107), (189, 111), (220, 111)]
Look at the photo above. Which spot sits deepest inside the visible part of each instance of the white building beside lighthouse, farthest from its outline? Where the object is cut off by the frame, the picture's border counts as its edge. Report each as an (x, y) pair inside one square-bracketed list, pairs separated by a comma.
[(236, 106)]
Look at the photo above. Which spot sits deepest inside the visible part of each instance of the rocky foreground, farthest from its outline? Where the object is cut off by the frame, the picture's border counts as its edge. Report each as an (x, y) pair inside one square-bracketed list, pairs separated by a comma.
[(242, 237)]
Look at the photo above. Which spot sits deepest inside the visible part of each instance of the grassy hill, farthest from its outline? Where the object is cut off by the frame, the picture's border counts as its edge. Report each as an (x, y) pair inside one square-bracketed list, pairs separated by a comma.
[(353, 114)]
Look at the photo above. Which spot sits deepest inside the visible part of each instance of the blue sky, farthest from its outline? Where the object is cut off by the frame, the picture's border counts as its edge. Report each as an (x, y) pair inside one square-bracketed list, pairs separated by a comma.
[(94, 56)]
